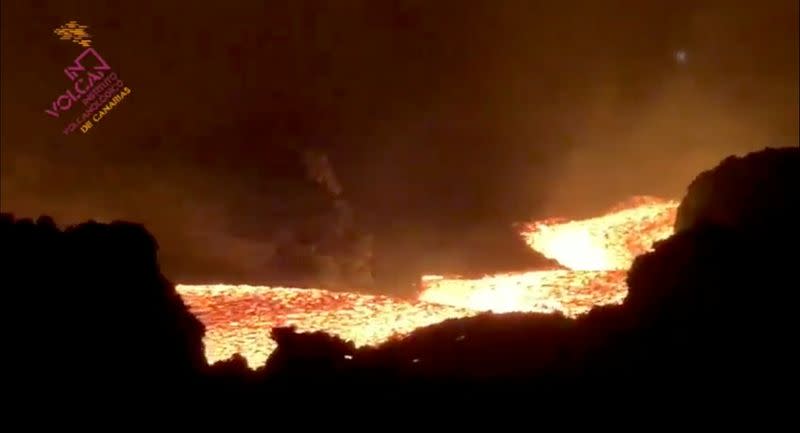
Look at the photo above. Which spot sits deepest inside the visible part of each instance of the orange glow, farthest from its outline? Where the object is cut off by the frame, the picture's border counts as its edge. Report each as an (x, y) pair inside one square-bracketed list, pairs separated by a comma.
[(567, 291), (608, 242), (597, 253), (239, 318)]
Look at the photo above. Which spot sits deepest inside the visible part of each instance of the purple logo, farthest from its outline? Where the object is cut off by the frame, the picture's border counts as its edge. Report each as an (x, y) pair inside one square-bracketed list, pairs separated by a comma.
[(93, 84), (100, 64), (80, 85)]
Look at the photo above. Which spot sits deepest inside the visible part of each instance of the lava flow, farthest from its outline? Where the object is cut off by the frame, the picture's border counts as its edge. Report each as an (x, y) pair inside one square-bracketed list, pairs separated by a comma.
[(239, 318), (595, 253), (608, 242)]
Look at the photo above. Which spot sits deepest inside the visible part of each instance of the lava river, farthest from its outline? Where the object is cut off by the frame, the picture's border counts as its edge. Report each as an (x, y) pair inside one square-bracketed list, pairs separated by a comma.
[(595, 254)]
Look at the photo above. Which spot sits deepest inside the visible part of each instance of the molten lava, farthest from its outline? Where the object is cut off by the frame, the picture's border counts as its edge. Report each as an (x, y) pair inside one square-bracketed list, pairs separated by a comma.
[(596, 251), (564, 290), (608, 242), (238, 319)]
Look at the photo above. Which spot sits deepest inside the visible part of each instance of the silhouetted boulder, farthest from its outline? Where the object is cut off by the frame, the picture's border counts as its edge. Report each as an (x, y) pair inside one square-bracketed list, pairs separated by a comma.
[(711, 303), (232, 376), (757, 193), (91, 300), (307, 356), (488, 347)]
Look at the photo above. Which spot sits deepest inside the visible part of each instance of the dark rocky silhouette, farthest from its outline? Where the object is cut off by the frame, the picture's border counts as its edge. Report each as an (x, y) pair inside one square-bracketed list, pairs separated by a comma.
[(707, 315), (87, 308), (756, 193)]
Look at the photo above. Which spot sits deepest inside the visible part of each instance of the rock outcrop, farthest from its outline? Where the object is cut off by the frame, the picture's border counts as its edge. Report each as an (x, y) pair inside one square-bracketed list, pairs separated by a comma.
[(757, 193), (88, 308)]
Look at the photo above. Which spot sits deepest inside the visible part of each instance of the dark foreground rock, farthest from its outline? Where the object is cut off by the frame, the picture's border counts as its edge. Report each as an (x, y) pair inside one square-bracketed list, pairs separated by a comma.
[(708, 316), (757, 193), (87, 308)]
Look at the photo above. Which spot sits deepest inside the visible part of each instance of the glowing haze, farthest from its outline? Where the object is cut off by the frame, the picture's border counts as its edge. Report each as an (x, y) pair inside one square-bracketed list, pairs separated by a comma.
[(595, 253)]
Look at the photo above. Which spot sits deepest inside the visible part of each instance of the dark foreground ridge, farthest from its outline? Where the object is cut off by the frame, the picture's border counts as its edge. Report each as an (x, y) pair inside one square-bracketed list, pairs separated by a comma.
[(708, 315)]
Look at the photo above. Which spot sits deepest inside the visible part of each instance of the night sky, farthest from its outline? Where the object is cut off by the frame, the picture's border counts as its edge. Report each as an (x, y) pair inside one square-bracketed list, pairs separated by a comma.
[(445, 121)]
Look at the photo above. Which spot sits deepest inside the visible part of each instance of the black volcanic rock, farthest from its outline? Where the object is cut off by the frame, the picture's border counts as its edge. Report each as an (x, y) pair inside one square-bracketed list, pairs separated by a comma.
[(307, 355), (88, 308), (714, 301), (486, 348), (757, 193)]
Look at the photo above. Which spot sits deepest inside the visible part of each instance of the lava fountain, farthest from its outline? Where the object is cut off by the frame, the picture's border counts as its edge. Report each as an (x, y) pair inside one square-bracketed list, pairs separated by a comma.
[(595, 254)]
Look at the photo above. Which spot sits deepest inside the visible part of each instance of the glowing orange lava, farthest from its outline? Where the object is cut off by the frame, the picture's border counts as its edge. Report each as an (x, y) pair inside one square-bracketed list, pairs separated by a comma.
[(239, 318), (608, 242), (597, 253), (564, 290)]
